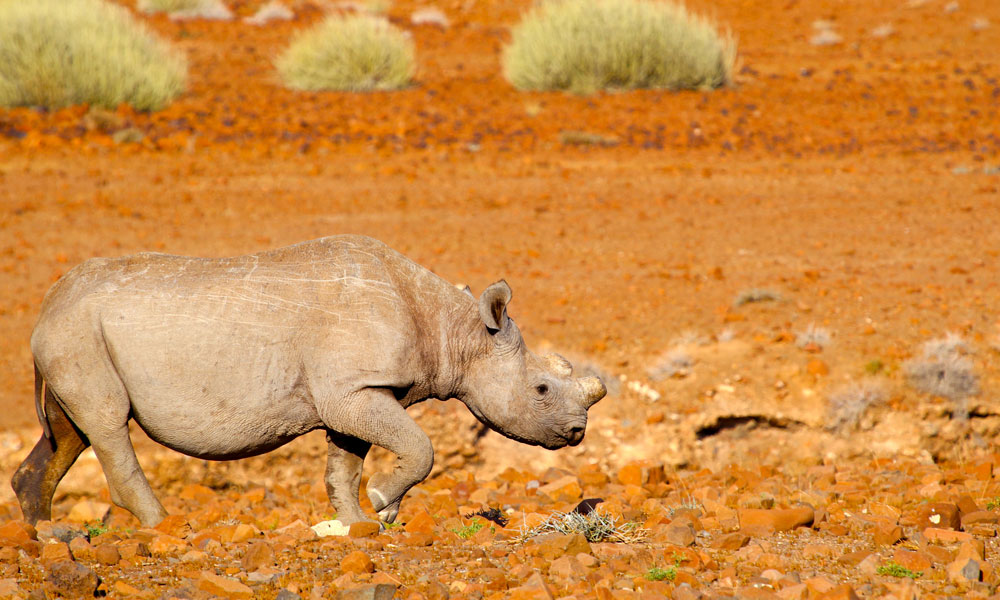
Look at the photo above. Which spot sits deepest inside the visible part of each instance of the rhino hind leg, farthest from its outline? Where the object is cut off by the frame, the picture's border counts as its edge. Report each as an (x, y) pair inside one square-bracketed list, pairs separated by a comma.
[(375, 416), (36, 479), (344, 462), (126, 481)]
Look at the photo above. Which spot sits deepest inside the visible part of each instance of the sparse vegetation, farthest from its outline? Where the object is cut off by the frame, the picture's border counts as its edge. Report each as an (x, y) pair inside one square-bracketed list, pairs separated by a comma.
[(813, 336), (993, 504), (187, 9), (894, 569), (675, 362), (660, 574), (850, 402), (351, 53), (754, 295), (469, 530), (588, 45), (58, 53), (94, 529), (595, 526), (944, 370), (874, 367)]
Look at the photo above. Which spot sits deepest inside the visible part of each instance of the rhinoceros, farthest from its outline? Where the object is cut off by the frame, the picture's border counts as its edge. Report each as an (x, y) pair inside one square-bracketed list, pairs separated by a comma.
[(228, 358)]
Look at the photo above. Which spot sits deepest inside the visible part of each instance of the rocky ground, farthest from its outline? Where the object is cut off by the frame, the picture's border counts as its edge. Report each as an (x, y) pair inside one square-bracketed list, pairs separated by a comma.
[(789, 284)]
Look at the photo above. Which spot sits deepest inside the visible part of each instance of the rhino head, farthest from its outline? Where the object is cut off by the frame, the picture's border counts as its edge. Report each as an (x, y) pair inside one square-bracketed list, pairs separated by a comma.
[(528, 398)]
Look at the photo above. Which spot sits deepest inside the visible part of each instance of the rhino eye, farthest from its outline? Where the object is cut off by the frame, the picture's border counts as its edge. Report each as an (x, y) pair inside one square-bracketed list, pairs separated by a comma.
[(542, 389)]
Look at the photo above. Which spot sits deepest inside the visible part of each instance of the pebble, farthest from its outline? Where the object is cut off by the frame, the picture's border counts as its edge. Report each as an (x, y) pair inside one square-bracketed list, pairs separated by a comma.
[(53, 552), (223, 586), (939, 515), (331, 528), (258, 554), (379, 591), (107, 554), (357, 562), (363, 529), (762, 522)]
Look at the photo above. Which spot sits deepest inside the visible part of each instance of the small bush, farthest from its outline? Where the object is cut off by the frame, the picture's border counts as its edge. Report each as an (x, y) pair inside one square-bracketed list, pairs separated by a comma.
[(660, 574), (595, 526), (589, 45), (894, 569), (469, 530), (755, 295), (850, 402), (57, 53), (675, 362), (813, 336), (187, 9), (353, 53), (944, 370)]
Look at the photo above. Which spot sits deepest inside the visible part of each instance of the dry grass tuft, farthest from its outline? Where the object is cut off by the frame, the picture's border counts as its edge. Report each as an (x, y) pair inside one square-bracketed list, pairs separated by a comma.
[(944, 370), (595, 526), (180, 10), (752, 296), (58, 53), (351, 53), (588, 45), (849, 403), (813, 336)]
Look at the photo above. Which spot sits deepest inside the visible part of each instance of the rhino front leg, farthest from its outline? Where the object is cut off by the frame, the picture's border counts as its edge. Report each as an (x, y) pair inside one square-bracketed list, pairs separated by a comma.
[(344, 461), (375, 416)]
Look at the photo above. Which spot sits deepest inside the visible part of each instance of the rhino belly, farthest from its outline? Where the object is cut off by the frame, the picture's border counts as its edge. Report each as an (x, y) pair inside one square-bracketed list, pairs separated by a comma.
[(210, 391)]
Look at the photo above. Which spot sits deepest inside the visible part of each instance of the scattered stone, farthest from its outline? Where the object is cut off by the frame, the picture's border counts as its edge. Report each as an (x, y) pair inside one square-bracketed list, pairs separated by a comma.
[(286, 594), (357, 562), (421, 522), (107, 554), (89, 511), (940, 515), (914, 560), (887, 535), (979, 516), (364, 529), (826, 37), (223, 586), (841, 592), (946, 536), (429, 16), (258, 554), (731, 541), (680, 534), (70, 579), (554, 545), (47, 531), (380, 591), (81, 549), (534, 588), (10, 589), (762, 522), (272, 11), (965, 570), (54, 552)]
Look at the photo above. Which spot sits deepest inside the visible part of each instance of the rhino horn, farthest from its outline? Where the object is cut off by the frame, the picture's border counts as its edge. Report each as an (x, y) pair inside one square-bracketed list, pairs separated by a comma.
[(593, 390), (559, 365)]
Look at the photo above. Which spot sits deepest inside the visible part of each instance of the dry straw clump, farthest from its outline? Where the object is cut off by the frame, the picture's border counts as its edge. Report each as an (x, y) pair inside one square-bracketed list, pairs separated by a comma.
[(354, 53), (595, 526), (180, 10), (587, 45), (57, 53)]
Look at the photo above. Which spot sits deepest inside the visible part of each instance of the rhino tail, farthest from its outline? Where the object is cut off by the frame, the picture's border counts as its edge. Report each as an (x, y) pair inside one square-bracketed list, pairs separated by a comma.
[(41, 390)]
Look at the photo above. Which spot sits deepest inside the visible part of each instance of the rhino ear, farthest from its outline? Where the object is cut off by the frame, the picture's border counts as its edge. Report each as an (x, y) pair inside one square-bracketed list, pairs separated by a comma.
[(468, 291), (493, 306)]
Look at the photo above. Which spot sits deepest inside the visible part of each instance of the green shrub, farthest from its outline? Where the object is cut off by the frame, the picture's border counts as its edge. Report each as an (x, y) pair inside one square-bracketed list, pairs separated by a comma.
[(894, 569), (354, 53), (659, 574), (57, 53), (588, 45)]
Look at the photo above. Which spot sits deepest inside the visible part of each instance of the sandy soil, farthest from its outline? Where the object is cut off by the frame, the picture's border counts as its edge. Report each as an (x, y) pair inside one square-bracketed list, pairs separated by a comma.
[(858, 182)]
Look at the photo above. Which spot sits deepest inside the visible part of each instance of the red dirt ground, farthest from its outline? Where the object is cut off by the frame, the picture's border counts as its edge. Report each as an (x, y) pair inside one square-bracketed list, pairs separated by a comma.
[(859, 181)]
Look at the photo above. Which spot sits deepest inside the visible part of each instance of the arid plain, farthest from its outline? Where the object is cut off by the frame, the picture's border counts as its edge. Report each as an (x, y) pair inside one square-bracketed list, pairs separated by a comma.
[(737, 263)]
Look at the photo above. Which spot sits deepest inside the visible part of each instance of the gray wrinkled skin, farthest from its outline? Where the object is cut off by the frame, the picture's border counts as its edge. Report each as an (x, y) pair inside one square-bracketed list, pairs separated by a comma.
[(228, 358)]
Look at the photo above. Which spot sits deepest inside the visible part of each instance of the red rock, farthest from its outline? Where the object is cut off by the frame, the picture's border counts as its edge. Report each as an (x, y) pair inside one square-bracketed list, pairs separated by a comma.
[(534, 588), (13, 533), (128, 591), (198, 493), (417, 539), (841, 592), (965, 570), (174, 525), (817, 367), (678, 534), (132, 549), (762, 522), (70, 579), (979, 516), (966, 504), (89, 511), (167, 544), (565, 489), (567, 567), (887, 535), (258, 554), (357, 562), (378, 591), (554, 545), (364, 529), (946, 536), (813, 551), (939, 515), (223, 586), (819, 585), (81, 549), (54, 552), (421, 522), (730, 541), (913, 560), (107, 554)]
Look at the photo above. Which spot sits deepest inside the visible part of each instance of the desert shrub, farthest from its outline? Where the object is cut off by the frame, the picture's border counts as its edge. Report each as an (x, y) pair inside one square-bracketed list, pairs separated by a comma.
[(755, 295), (588, 45), (813, 336), (352, 53), (943, 370), (850, 402), (674, 362), (187, 9), (595, 526), (57, 53)]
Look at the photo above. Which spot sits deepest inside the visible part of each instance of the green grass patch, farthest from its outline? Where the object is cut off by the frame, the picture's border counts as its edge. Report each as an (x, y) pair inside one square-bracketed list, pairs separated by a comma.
[(94, 529), (588, 45), (355, 53), (469, 530), (993, 504), (874, 367), (58, 53), (659, 574), (894, 569)]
